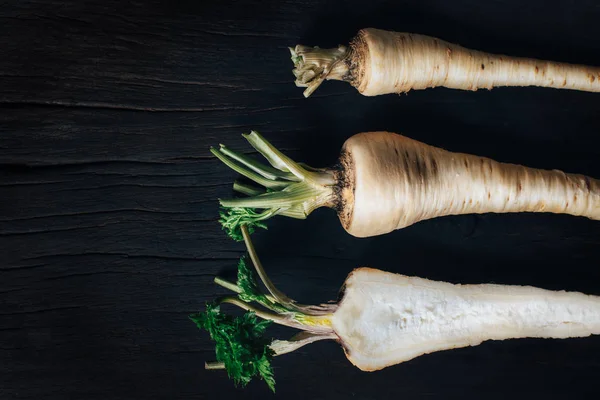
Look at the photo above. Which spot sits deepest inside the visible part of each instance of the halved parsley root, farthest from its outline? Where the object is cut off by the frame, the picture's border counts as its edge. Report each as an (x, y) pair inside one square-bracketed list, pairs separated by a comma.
[(385, 319), (380, 62), (386, 181)]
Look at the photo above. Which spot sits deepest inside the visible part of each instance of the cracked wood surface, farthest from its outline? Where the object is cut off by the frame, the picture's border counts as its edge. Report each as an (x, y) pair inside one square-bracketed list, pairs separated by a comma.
[(108, 205)]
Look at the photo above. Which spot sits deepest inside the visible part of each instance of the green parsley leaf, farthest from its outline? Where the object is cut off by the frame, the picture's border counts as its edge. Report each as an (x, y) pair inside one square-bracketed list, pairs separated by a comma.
[(239, 344)]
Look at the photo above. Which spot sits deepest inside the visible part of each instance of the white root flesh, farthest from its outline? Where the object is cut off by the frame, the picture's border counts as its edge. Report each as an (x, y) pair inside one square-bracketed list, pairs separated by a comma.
[(394, 182), (386, 319)]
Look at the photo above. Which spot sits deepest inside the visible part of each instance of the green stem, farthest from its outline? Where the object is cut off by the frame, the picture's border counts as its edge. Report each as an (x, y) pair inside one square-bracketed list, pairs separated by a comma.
[(266, 171), (270, 303), (285, 311), (241, 347), (279, 296), (292, 190), (286, 320), (281, 347), (214, 365), (286, 198), (248, 173), (248, 190), (227, 285)]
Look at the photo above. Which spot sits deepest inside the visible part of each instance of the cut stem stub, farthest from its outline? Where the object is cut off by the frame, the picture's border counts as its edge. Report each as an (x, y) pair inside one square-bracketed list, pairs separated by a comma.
[(312, 65)]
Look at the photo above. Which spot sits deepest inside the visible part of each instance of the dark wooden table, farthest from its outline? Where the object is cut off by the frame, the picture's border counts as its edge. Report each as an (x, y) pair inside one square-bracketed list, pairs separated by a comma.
[(108, 213)]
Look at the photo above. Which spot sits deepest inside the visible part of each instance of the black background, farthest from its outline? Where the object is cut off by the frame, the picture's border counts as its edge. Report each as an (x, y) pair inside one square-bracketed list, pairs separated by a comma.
[(108, 231)]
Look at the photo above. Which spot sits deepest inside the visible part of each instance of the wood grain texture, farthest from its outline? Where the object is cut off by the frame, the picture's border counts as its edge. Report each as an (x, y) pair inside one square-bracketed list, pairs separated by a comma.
[(108, 210)]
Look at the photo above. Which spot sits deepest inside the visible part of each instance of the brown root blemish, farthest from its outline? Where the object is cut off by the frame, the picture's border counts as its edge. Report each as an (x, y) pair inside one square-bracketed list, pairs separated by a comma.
[(482, 67), (588, 183), (592, 78), (344, 189), (419, 168), (405, 162), (348, 76), (537, 69)]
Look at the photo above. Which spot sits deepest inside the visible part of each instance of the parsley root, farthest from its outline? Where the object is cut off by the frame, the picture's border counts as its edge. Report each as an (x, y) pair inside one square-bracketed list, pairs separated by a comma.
[(387, 181), (380, 62), (384, 319)]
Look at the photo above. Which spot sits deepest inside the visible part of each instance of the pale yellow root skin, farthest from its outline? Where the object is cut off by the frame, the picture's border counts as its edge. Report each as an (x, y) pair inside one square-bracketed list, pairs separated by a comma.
[(394, 182), (393, 62)]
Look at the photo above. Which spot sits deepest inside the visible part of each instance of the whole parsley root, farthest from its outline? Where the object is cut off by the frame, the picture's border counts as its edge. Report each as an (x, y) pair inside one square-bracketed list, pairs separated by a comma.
[(380, 62), (384, 319), (385, 181)]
